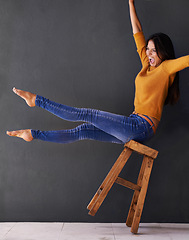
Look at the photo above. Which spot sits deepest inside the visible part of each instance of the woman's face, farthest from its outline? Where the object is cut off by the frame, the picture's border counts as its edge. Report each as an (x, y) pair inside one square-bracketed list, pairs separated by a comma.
[(151, 53)]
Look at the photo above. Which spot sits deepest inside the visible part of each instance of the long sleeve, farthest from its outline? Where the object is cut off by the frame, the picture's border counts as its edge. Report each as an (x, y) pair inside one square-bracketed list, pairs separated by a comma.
[(141, 47), (176, 65)]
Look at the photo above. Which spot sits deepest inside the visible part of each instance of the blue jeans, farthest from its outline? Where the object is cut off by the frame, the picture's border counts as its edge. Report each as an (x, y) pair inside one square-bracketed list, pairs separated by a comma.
[(98, 125)]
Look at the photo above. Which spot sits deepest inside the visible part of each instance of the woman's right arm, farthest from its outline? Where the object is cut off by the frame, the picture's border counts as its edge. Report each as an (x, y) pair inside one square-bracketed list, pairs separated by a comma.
[(136, 25)]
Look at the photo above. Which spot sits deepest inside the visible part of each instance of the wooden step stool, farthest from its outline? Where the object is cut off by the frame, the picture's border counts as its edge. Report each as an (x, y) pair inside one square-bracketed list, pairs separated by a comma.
[(140, 189)]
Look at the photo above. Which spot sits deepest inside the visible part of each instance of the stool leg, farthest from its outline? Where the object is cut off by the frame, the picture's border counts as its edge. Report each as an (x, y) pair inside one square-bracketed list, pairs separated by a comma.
[(142, 194), (108, 177), (135, 196), (109, 181)]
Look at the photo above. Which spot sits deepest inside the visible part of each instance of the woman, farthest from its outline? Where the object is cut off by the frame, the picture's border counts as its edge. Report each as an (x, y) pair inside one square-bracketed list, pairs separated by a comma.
[(156, 84)]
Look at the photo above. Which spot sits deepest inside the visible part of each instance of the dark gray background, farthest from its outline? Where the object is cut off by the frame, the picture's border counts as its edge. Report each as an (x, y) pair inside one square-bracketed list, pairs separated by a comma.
[(82, 53)]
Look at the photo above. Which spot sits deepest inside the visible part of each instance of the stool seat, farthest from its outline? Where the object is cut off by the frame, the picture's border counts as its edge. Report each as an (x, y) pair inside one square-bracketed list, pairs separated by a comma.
[(140, 189)]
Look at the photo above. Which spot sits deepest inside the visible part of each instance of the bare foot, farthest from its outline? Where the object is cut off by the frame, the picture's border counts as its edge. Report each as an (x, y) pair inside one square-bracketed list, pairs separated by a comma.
[(27, 96), (24, 134)]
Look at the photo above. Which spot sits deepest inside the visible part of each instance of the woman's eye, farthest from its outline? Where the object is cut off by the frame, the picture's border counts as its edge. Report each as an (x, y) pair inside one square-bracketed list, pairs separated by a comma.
[(152, 50)]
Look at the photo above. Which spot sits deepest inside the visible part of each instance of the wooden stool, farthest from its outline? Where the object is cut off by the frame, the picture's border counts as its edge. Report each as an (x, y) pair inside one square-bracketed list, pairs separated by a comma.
[(140, 189)]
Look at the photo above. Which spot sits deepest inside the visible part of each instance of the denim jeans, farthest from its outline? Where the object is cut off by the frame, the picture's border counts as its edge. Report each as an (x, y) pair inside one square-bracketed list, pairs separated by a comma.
[(98, 125)]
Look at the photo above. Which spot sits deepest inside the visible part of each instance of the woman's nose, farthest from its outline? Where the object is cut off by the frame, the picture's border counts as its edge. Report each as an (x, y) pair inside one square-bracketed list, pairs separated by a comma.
[(150, 52)]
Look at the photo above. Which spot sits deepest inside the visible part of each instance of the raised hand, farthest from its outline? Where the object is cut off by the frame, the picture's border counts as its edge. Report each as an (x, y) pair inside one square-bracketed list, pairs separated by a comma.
[(136, 25)]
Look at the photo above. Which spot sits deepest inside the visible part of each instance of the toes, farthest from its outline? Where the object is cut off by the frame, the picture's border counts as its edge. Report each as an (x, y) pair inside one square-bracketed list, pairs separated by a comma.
[(12, 133), (16, 91), (9, 133)]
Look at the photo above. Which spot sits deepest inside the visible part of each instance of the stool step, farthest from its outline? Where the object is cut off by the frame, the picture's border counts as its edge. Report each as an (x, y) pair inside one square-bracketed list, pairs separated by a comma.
[(141, 149), (127, 184)]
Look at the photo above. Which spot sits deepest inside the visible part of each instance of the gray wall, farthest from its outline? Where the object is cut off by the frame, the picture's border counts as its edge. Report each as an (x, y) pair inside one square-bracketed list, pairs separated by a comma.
[(81, 53)]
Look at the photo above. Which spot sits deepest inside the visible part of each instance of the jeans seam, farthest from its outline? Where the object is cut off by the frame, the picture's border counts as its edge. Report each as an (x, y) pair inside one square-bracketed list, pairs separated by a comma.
[(60, 109)]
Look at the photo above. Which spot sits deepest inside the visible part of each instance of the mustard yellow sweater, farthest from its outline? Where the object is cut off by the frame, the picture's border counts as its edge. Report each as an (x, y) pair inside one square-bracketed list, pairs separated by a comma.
[(152, 83)]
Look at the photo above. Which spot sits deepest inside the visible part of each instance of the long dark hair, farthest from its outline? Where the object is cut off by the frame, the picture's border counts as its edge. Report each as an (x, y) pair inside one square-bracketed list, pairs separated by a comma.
[(165, 51)]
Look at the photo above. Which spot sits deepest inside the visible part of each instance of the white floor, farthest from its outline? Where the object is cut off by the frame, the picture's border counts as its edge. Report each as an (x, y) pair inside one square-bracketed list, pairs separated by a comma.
[(91, 231)]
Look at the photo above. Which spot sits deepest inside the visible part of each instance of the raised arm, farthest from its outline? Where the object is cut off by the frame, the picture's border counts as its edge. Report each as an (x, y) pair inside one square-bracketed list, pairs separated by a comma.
[(136, 25)]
